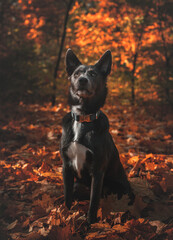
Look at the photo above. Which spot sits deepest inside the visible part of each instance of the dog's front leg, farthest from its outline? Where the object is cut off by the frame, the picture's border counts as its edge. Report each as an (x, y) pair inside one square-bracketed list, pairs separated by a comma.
[(68, 177), (96, 188)]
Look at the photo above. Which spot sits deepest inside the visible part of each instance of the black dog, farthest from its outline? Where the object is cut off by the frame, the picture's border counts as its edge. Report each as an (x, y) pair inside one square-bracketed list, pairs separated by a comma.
[(87, 149)]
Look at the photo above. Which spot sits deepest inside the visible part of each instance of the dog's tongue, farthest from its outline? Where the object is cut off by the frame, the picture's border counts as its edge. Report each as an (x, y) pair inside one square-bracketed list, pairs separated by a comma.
[(82, 93)]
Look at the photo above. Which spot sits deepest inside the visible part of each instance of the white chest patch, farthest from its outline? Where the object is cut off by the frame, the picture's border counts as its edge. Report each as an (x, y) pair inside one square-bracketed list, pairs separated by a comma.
[(77, 153), (76, 129)]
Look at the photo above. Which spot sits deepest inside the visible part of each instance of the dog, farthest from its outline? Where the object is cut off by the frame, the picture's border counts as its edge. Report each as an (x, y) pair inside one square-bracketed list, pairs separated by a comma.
[(91, 163)]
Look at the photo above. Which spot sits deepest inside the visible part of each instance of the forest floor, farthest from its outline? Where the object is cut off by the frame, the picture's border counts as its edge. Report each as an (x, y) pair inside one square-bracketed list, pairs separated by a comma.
[(31, 185)]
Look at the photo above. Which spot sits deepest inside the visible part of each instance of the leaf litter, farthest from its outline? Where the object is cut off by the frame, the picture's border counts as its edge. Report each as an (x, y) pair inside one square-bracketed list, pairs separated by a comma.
[(31, 184)]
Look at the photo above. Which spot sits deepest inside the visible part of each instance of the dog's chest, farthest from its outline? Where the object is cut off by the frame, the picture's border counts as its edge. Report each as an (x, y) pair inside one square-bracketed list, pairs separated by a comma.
[(76, 151)]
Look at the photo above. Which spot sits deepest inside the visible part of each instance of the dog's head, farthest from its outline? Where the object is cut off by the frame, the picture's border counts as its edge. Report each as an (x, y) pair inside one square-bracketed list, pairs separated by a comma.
[(87, 81)]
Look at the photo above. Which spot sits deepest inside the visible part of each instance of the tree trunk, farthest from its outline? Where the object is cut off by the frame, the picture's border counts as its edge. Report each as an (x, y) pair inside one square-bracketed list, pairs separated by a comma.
[(135, 57), (133, 78), (165, 48), (167, 66), (60, 52)]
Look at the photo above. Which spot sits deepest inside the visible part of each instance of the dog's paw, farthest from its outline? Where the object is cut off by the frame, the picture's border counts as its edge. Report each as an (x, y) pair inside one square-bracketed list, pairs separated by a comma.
[(68, 204), (91, 218)]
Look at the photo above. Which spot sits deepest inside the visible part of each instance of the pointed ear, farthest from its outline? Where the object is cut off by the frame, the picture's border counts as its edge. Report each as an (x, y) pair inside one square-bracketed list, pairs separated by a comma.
[(72, 62), (105, 62)]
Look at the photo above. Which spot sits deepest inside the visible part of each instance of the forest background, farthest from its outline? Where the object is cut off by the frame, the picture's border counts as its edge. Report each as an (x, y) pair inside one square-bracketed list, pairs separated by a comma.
[(34, 37)]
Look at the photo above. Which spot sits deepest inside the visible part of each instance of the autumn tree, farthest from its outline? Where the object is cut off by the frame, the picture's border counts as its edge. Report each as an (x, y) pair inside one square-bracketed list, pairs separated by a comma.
[(32, 30), (61, 49), (47, 22), (138, 33), (164, 19), (158, 50), (131, 30), (18, 68)]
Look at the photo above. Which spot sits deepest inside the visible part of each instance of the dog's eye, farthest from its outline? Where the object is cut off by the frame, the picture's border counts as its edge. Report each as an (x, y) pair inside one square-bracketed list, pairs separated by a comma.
[(92, 73), (76, 74)]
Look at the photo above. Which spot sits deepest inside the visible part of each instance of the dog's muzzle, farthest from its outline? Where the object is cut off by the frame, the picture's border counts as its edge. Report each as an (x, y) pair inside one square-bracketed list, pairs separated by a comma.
[(83, 88)]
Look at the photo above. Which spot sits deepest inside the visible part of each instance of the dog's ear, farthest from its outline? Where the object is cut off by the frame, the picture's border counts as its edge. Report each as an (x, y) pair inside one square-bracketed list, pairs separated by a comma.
[(72, 62), (105, 62)]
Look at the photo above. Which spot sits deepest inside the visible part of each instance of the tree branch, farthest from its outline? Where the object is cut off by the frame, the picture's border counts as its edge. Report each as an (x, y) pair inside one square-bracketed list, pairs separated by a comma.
[(60, 51)]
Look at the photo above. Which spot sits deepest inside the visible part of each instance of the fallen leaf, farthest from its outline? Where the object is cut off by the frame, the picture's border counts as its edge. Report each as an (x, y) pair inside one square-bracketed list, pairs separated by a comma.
[(160, 225), (12, 225)]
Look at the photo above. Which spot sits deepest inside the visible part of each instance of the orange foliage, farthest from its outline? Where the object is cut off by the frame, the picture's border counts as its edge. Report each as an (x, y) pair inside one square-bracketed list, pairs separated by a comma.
[(122, 28), (33, 22)]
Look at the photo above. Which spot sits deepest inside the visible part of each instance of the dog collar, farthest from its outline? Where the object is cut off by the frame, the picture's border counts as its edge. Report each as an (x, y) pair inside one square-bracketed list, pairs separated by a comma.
[(85, 118)]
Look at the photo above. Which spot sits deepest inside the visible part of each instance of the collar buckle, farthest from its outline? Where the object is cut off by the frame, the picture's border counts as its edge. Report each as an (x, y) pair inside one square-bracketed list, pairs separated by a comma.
[(86, 118)]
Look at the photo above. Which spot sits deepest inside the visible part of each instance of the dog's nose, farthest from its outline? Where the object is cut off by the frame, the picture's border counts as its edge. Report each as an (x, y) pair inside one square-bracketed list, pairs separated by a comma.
[(83, 81)]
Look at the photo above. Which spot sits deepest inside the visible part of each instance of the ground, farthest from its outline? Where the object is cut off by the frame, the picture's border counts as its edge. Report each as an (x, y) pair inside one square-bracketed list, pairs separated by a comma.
[(31, 185)]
